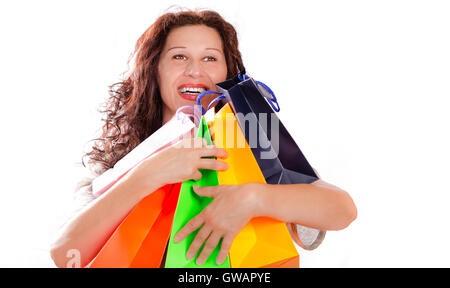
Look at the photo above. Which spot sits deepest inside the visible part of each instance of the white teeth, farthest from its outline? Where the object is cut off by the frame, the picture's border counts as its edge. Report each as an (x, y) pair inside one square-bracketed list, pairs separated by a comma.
[(192, 90)]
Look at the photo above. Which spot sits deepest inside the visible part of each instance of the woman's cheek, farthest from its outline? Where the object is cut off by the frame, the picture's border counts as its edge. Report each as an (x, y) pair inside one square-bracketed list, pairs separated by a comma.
[(217, 73)]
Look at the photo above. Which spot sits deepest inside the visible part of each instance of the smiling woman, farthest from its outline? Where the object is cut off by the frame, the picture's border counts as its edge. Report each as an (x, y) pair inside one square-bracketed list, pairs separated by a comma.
[(192, 61), (179, 56)]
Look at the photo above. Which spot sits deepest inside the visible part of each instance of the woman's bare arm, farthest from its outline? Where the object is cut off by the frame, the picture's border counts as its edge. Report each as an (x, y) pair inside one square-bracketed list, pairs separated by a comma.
[(89, 229), (319, 205)]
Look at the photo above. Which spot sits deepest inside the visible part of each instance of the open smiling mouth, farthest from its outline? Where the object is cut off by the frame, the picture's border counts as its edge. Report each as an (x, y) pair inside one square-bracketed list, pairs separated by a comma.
[(190, 93)]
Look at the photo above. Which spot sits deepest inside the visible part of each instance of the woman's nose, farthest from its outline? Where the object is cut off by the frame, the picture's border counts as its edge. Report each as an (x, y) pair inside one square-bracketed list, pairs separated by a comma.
[(193, 69)]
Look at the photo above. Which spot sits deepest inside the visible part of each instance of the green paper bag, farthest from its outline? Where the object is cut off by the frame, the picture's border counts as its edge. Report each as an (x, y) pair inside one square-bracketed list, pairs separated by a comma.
[(190, 205)]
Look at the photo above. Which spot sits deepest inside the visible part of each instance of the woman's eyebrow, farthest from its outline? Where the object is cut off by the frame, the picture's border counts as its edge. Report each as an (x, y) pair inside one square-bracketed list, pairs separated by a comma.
[(175, 47), (185, 47), (218, 50)]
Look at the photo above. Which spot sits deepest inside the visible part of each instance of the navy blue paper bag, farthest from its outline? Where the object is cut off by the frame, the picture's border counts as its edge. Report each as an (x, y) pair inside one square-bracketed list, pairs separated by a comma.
[(279, 157)]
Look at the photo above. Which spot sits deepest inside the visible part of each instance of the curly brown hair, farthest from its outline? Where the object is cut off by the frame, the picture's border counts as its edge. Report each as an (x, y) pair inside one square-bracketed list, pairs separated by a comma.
[(134, 108)]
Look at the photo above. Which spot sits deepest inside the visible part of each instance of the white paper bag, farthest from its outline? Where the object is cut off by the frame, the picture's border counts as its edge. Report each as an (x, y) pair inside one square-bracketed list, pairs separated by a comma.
[(175, 129)]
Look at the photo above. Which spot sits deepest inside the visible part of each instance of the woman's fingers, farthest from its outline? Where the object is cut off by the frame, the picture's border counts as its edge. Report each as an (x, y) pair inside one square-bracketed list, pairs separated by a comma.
[(190, 227), (225, 247), (212, 164), (213, 151), (200, 238), (209, 247), (197, 175)]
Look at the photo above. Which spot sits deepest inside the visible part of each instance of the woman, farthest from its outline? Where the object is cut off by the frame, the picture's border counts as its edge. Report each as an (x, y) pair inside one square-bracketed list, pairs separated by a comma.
[(184, 49)]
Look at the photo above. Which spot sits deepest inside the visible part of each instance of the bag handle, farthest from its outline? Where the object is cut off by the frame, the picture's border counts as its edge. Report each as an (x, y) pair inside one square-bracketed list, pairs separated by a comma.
[(194, 116), (201, 95), (272, 100)]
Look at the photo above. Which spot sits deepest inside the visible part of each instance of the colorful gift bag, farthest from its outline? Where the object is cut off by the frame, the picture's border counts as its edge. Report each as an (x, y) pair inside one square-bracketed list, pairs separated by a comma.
[(279, 157), (175, 129), (141, 238), (263, 242), (190, 205), (281, 161)]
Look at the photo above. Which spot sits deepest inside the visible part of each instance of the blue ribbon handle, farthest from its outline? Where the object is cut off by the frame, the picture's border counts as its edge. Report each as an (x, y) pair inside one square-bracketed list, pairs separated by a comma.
[(217, 99), (200, 96), (242, 77), (273, 102)]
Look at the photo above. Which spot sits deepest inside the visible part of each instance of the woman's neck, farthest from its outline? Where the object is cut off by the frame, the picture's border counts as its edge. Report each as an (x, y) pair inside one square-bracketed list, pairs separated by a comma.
[(167, 114)]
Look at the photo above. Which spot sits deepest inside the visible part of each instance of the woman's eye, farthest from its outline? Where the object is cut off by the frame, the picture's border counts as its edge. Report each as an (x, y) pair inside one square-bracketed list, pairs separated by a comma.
[(179, 57), (182, 57)]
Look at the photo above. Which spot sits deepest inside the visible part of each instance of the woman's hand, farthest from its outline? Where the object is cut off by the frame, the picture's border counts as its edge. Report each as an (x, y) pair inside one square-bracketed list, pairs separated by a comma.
[(177, 163), (232, 208)]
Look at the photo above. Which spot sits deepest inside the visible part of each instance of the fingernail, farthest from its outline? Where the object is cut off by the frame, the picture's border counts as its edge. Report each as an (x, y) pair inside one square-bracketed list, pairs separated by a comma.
[(189, 256), (199, 262), (176, 239), (196, 187)]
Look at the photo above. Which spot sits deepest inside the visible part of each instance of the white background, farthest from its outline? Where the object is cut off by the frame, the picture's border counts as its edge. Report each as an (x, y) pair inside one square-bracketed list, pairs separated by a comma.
[(363, 88)]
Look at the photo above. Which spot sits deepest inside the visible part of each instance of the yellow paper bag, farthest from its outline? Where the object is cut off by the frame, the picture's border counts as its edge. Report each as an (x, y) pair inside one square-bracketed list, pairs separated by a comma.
[(263, 242)]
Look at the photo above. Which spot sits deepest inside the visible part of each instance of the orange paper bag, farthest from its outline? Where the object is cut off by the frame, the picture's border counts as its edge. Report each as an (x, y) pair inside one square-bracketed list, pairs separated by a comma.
[(140, 240)]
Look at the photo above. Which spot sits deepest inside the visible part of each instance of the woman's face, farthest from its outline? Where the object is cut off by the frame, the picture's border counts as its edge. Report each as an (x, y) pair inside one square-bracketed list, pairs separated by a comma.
[(192, 61)]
